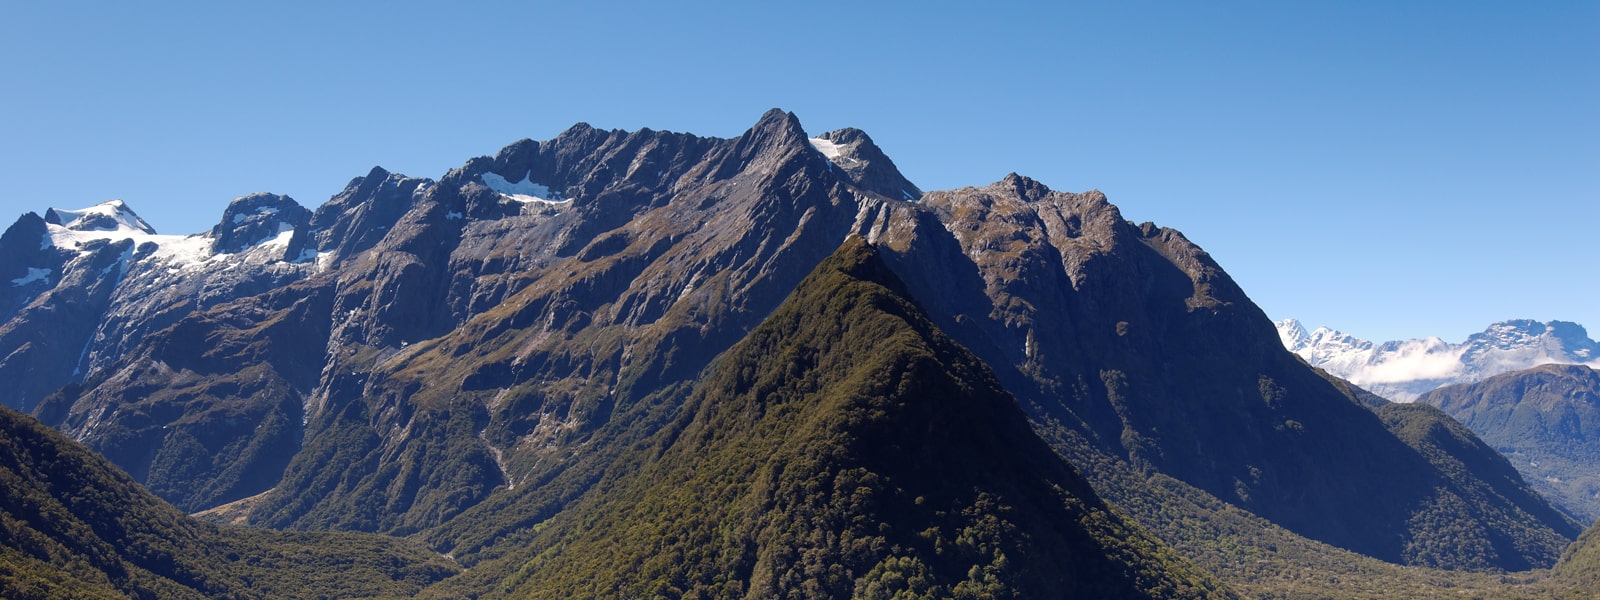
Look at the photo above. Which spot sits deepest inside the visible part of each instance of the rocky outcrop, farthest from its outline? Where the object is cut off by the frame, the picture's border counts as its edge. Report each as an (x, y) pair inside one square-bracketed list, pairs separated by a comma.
[(28, 264), (261, 218), (864, 164)]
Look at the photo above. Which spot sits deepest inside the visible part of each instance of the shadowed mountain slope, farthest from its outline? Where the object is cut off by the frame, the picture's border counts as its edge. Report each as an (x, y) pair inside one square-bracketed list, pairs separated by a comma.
[(1129, 343)]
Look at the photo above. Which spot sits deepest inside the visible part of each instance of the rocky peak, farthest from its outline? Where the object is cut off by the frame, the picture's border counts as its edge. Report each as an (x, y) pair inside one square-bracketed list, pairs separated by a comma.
[(361, 215), (774, 139), (1023, 187), (1574, 338), (256, 218), (26, 265), (864, 163), (1559, 339), (111, 215), (23, 237), (778, 125)]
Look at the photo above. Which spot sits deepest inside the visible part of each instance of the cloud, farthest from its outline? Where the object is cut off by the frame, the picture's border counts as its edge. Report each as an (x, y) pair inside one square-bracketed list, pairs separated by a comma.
[(1411, 363)]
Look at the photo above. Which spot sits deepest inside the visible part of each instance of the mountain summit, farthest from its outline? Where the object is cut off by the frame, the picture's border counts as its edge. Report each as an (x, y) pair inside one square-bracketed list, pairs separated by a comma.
[(111, 215)]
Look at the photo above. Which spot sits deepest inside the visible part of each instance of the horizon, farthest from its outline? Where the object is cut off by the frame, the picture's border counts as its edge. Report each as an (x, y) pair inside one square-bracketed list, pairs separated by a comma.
[(1392, 172)]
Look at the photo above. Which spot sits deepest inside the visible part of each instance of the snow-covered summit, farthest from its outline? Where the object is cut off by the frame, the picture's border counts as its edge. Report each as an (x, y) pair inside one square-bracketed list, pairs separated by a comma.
[(1402, 370), (109, 216), (114, 221)]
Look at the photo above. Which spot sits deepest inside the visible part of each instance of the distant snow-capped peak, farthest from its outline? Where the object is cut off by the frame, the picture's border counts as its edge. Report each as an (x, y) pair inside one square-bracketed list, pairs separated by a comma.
[(79, 230), (1293, 334), (1405, 369)]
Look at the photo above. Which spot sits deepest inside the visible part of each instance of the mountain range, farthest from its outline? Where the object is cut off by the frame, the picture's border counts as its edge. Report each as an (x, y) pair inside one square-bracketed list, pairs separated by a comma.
[(650, 363), (1403, 370)]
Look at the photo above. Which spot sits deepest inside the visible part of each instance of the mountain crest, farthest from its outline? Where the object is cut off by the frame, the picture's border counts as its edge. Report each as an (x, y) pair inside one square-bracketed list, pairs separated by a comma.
[(111, 215), (1024, 187), (864, 163), (775, 138), (256, 218)]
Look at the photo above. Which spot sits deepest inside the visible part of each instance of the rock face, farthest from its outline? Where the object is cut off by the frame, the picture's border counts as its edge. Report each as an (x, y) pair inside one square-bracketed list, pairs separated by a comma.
[(1546, 420), (864, 164), (1403, 370), (259, 219), (466, 358)]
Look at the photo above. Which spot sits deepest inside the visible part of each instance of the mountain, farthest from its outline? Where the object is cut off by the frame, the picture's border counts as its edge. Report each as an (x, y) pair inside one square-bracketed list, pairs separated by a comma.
[(76, 527), (846, 448), (1403, 370), (1546, 420), (466, 359)]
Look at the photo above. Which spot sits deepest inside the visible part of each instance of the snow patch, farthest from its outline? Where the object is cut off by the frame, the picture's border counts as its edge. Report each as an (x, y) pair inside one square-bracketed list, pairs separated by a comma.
[(191, 249), (524, 191), (34, 274), (453, 215), (828, 148), (281, 239)]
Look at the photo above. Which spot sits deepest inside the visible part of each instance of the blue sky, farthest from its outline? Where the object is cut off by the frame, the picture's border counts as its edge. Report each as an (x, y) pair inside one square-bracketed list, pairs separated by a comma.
[(1390, 169)]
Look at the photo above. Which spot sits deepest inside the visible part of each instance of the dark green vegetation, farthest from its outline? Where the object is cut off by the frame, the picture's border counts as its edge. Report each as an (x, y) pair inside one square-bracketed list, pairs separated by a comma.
[(1580, 566), (1546, 420), (1466, 522), (73, 526), (846, 448)]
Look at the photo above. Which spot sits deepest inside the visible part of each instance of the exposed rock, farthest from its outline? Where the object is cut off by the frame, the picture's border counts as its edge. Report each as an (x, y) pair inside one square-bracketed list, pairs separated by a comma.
[(262, 218)]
